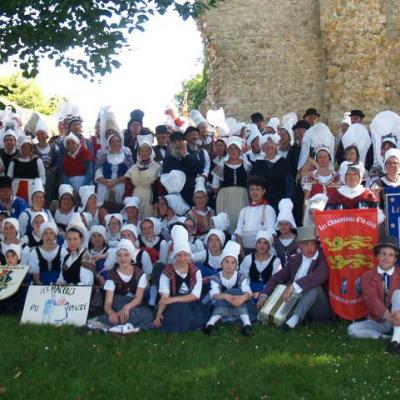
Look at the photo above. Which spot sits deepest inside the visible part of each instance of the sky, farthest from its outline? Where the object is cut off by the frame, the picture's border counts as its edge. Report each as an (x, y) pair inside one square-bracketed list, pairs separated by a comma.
[(168, 52)]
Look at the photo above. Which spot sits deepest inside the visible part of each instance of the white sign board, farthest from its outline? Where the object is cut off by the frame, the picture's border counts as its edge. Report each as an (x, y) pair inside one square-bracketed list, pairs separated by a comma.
[(57, 305), (11, 279)]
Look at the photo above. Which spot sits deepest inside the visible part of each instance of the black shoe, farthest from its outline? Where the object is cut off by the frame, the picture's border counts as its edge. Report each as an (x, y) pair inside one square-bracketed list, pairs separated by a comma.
[(285, 328), (247, 331), (394, 348), (209, 330)]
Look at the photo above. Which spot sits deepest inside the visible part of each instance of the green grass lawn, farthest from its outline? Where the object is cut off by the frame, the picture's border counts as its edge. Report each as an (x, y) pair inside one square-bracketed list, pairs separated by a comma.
[(314, 362)]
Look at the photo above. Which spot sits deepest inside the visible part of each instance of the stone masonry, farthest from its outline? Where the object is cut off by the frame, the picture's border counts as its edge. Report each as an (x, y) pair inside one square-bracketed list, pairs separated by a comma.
[(276, 56)]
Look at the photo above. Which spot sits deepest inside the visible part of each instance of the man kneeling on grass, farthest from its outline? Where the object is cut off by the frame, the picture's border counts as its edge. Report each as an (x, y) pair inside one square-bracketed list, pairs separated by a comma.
[(304, 274), (380, 288)]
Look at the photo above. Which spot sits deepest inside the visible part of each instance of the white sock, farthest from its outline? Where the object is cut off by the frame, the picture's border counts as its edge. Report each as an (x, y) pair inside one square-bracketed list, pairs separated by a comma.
[(153, 295), (214, 319), (245, 319), (396, 334), (293, 320)]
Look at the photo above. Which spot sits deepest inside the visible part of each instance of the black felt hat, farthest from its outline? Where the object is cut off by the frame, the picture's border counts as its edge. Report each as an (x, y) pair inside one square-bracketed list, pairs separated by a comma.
[(311, 111), (388, 241), (357, 113)]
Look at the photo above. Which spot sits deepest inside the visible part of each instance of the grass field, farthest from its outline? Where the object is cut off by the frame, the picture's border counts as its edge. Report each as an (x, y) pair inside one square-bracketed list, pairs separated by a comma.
[(314, 362)]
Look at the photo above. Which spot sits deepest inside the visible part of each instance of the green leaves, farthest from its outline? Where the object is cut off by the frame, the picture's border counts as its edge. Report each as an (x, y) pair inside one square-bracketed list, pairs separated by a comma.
[(33, 29), (27, 94)]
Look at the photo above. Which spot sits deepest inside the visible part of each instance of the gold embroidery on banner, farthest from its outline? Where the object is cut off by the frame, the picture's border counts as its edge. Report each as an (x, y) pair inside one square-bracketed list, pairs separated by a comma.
[(350, 242)]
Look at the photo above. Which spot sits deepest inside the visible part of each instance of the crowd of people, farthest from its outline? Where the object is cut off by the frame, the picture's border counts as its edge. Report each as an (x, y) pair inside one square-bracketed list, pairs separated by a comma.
[(199, 221)]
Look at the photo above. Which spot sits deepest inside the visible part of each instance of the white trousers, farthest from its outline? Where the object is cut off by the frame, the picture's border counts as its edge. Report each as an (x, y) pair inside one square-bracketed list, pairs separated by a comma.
[(370, 329), (103, 193)]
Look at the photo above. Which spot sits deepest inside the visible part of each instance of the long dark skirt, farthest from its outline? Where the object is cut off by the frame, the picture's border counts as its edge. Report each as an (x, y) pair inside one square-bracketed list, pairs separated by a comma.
[(140, 317), (183, 317)]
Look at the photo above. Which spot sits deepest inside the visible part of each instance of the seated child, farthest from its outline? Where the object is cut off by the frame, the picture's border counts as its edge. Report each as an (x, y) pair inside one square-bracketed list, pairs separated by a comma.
[(76, 265), (230, 292), (98, 249), (150, 237), (179, 309), (45, 260), (211, 263), (14, 303), (124, 289), (113, 226), (32, 237), (285, 243), (11, 236), (258, 267)]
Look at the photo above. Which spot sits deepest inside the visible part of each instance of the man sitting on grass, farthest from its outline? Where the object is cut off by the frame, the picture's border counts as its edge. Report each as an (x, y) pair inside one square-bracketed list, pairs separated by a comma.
[(304, 274), (380, 288)]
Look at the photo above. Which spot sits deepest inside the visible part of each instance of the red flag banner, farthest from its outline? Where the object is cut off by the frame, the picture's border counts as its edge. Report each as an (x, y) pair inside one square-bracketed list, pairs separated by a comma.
[(347, 238)]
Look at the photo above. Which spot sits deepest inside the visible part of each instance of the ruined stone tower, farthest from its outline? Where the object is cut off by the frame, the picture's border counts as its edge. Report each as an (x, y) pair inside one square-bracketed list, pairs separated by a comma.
[(277, 56)]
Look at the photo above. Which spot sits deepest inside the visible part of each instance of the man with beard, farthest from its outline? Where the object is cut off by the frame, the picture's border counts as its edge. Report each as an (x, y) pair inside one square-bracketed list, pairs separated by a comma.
[(180, 159)]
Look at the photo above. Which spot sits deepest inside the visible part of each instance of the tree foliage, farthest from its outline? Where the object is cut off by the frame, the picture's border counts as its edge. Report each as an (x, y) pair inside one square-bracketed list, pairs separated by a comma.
[(35, 29), (27, 94), (193, 91)]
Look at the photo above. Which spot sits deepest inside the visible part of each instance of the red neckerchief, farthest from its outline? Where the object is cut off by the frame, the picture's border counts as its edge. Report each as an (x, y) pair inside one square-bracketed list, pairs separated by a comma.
[(264, 202)]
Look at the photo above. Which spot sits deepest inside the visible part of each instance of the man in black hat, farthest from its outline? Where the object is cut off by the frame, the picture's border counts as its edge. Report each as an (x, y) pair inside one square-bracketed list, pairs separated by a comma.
[(357, 116), (192, 136), (134, 128), (180, 159), (9, 203), (292, 157), (311, 116), (161, 148), (380, 288)]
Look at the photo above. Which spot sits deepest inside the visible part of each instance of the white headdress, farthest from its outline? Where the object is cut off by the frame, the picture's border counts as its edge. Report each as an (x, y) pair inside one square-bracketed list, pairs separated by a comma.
[(254, 134), (288, 120), (285, 207), (197, 117), (273, 123), (180, 239), (383, 124), (218, 233), (231, 249), (357, 135), (84, 193), (316, 137)]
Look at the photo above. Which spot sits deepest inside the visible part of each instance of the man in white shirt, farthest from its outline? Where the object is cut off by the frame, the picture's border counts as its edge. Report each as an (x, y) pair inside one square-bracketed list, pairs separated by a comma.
[(380, 288)]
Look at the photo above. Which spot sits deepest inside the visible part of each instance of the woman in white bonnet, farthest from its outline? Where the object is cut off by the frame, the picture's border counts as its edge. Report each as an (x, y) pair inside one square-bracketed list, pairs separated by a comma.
[(143, 175)]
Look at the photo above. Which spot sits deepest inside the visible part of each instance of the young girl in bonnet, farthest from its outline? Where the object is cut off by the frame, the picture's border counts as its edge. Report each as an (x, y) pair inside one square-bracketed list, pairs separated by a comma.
[(285, 244), (125, 289), (179, 308), (45, 260), (230, 292), (258, 267)]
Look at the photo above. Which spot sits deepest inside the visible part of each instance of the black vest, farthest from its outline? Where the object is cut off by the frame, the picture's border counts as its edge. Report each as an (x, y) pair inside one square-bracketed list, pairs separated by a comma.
[(235, 286), (26, 170), (199, 154), (53, 265), (264, 275), (72, 274), (32, 242), (180, 281), (234, 176)]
